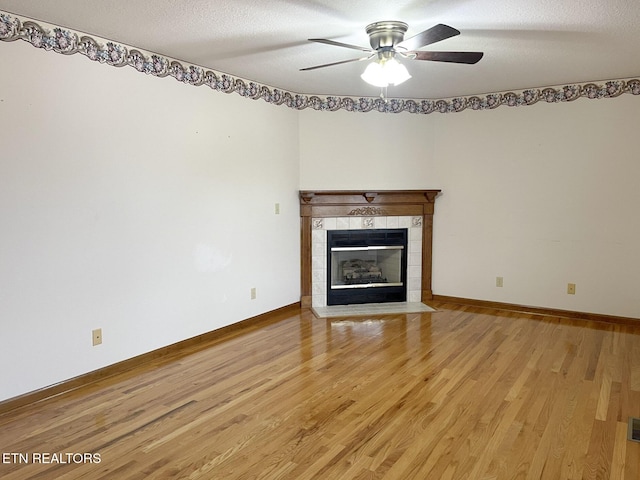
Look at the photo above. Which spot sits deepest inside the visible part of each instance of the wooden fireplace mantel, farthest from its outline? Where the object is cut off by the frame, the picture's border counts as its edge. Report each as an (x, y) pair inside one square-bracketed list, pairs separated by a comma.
[(370, 203)]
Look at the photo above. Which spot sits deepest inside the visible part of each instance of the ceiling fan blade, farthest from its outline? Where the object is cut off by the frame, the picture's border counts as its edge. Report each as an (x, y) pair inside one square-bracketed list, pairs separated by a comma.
[(451, 57), (434, 34), (337, 63), (340, 44)]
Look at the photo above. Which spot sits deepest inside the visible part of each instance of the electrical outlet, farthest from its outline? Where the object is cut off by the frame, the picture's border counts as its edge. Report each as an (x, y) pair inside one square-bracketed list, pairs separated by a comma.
[(97, 336), (277, 209), (499, 281), (571, 288), (253, 293)]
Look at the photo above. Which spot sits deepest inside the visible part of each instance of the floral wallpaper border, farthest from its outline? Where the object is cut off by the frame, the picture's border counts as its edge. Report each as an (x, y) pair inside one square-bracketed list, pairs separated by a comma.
[(68, 42)]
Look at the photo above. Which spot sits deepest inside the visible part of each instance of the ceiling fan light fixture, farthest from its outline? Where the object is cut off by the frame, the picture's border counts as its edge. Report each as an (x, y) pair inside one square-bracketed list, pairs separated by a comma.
[(385, 72), (388, 44)]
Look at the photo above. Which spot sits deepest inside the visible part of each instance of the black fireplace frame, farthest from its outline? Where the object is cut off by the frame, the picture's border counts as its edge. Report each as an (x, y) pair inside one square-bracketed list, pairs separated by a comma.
[(365, 293)]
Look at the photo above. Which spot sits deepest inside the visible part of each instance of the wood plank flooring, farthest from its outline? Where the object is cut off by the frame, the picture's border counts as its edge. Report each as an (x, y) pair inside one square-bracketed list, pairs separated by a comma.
[(462, 393)]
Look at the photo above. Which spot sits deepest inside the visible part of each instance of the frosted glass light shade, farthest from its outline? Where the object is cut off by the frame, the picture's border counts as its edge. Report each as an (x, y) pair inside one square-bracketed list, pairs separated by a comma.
[(383, 74), (374, 75), (396, 72)]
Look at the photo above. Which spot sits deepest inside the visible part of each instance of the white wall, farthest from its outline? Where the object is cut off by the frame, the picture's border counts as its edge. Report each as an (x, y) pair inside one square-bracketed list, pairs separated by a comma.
[(541, 195), (137, 205), (346, 150)]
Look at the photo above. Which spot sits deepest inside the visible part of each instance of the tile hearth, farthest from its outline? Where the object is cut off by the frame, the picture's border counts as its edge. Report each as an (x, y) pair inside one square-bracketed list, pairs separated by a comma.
[(371, 309)]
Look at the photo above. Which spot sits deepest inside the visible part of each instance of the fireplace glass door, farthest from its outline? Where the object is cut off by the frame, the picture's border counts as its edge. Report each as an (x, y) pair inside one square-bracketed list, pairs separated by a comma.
[(366, 266)]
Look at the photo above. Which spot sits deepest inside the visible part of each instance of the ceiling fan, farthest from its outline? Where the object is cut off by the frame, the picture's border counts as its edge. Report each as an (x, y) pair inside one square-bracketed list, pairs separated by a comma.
[(387, 42)]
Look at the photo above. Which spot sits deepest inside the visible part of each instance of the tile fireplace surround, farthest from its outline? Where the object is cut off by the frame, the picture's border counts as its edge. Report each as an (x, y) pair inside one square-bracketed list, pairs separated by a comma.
[(325, 210)]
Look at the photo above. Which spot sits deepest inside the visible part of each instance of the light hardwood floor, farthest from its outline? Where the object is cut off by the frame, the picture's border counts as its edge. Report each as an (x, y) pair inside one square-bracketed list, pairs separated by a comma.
[(464, 392)]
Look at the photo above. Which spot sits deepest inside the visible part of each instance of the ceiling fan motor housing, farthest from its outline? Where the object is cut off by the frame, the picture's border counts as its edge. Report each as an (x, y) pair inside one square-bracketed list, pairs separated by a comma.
[(386, 34)]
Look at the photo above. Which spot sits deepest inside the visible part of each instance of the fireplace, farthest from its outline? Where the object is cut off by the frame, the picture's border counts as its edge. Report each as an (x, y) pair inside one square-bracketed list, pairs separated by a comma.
[(366, 266), (324, 213)]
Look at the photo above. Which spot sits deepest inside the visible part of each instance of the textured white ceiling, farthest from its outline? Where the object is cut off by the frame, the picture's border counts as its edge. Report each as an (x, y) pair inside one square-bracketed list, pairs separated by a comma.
[(527, 44)]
